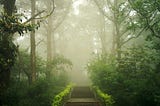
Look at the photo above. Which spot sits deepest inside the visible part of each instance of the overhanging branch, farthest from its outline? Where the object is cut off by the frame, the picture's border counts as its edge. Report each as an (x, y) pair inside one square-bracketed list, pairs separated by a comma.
[(34, 17), (134, 36)]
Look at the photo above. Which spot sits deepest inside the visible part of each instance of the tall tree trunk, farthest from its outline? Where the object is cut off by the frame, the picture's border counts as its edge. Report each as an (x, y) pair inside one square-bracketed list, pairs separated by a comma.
[(49, 46), (103, 36), (9, 6), (33, 45), (116, 33), (118, 42), (113, 50), (50, 41)]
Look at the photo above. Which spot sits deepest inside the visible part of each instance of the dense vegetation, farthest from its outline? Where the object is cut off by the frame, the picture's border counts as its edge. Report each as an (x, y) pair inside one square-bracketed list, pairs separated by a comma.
[(26, 80), (133, 78), (41, 93)]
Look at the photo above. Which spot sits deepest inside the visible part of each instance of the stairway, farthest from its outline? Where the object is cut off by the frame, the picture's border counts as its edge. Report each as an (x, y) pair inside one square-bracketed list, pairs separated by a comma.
[(82, 96)]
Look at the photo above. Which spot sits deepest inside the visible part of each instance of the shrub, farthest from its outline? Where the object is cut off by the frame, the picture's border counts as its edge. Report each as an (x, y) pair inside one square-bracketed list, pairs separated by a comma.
[(41, 92), (58, 99), (105, 98), (133, 80)]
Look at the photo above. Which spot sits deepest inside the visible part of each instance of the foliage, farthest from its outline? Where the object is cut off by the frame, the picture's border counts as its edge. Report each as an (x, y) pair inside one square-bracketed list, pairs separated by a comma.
[(147, 15), (12, 24), (43, 92), (133, 80), (40, 93), (58, 66), (8, 53), (59, 98), (139, 76), (9, 25), (107, 99), (59, 62), (101, 69), (21, 69)]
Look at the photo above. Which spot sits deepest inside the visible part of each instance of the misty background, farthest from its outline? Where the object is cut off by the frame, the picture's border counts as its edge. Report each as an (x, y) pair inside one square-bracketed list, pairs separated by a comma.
[(75, 29)]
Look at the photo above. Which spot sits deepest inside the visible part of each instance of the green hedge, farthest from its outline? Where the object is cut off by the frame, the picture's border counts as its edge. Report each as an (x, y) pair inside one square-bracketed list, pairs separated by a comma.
[(58, 99), (105, 98)]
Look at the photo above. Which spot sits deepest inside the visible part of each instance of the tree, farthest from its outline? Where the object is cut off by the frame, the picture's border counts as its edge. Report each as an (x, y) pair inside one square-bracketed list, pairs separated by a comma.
[(9, 6), (33, 46), (49, 39), (10, 24), (133, 79), (53, 22), (148, 15), (7, 46), (118, 12)]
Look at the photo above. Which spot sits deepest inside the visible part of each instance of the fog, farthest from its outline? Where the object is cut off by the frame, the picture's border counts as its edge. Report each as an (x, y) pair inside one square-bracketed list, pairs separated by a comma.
[(78, 31), (76, 36), (68, 52)]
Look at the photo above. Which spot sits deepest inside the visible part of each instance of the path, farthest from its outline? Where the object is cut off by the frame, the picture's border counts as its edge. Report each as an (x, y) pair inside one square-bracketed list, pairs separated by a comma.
[(82, 96)]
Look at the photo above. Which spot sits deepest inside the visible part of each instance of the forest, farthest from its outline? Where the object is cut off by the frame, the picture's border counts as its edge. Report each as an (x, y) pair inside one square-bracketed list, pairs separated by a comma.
[(50, 49)]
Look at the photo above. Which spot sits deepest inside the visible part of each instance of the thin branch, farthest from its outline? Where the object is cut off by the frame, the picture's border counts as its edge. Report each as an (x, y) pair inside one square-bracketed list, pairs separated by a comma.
[(47, 14), (33, 17), (110, 5), (27, 73), (101, 10), (150, 27), (123, 32), (41, 40), (64, 16), (134, 36), (123, 19), (154, 32)]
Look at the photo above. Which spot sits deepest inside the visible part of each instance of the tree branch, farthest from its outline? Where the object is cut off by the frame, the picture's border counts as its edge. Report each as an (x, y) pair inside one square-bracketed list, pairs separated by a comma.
[(34, 17), (41, 40), (123, 32), (134, 36), (102, 12), (64, 16)]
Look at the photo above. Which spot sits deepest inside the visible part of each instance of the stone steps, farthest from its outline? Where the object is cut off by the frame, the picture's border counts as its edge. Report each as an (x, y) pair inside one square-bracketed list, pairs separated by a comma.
[(82, 96), (82, 102), (82, 92)]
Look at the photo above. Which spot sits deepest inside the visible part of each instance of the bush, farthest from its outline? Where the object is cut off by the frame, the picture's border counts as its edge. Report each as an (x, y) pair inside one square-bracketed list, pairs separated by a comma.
[(39, 93), (59, 98), (101, 69), (105, 98), (43, 91), (139, 75), (133, 80)]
